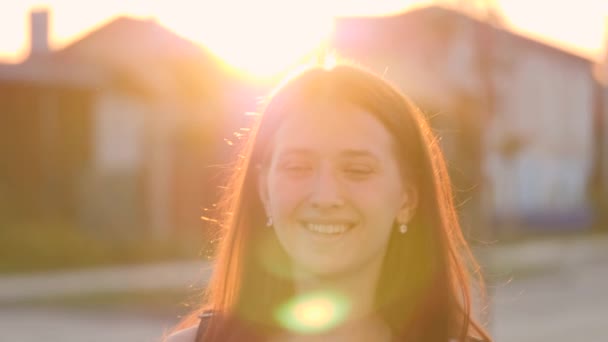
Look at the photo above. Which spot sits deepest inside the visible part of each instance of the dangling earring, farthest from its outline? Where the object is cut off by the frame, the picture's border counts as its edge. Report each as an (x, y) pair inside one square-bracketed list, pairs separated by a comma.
[(403, 228), (269, 222)]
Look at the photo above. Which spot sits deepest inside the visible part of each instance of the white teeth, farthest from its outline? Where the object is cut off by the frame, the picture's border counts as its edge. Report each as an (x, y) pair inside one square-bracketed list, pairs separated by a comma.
[(327, 228)]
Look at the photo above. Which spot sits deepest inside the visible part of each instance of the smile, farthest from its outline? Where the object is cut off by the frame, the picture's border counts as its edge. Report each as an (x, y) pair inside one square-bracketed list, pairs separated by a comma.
[(325, 228)]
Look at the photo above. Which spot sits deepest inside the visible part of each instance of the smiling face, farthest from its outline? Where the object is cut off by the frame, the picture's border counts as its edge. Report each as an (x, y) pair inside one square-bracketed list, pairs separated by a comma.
[(334, 189)]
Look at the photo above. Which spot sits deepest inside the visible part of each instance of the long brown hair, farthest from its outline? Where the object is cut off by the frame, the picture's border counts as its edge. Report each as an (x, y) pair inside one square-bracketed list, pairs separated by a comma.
[(424, 288)]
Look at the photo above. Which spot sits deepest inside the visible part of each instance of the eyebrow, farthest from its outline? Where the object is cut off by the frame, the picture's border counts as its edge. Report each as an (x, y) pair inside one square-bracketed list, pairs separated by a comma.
[(349, 153), (357, 153), (296, 151)]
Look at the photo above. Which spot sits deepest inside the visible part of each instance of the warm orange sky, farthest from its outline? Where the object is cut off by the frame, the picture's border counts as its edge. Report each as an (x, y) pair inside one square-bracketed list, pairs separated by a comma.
[(249, 35)]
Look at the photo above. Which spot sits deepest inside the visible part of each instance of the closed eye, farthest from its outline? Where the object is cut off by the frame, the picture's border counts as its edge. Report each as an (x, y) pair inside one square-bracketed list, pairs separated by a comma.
[(296, 168), (358, 170)]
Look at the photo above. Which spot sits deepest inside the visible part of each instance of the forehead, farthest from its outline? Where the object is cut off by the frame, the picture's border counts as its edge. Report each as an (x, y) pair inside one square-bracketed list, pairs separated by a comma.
[(331, 129)]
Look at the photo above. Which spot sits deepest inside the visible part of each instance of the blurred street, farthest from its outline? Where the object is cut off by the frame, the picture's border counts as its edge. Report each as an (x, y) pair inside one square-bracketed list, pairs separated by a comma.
[(570, 305), (29, 325), (567, 302)]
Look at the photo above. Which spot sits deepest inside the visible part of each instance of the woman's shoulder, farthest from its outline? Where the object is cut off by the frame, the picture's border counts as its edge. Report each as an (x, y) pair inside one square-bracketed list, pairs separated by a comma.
[(185, 335)]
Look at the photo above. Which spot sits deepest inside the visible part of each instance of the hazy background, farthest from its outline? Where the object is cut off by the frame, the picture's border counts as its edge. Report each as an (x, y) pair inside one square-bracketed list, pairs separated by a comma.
[(118, 121)]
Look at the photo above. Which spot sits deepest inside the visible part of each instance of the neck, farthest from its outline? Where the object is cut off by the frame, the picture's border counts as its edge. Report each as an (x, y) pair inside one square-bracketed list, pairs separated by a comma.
[(357, 289)]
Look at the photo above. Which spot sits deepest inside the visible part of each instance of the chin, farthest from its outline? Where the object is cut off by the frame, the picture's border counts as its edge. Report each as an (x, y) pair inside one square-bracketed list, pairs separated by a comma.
[(325, 269)]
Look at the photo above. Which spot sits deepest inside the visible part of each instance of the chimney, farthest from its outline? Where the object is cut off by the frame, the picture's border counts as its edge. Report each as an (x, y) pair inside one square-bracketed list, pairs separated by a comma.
[(39, 32), (604, 61)]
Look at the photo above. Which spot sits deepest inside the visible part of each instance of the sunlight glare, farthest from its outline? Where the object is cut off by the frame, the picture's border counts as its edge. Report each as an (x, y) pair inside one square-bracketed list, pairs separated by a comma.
[(314, 313), (260, 39), (264, 37), (330, 61)]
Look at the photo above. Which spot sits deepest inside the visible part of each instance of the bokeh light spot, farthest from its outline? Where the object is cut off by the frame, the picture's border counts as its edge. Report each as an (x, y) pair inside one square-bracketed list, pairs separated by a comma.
[(314, 312)]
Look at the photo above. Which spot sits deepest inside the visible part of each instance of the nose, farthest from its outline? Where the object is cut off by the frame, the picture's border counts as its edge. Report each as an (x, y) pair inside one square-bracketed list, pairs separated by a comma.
[(325, 192)]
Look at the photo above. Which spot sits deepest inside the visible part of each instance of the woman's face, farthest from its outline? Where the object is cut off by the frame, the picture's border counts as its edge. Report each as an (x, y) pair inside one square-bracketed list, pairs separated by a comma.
[(334, 189)]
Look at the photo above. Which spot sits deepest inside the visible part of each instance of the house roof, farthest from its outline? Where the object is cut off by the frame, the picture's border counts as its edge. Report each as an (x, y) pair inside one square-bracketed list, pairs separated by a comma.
[(427, 51), (139, 55), (126, 36), (412, 23)]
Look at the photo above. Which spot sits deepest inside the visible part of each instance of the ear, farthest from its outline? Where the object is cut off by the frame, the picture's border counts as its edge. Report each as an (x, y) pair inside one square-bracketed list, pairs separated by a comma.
[(409, 204), (263, 189)]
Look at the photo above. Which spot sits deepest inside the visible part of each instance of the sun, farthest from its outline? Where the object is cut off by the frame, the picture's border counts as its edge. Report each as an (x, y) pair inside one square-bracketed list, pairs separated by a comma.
[(271, 46), (259, 38)]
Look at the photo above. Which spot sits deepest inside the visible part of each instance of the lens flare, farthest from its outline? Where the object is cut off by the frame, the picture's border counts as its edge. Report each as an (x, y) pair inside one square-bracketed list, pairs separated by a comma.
[(330, 61), (314, 312)]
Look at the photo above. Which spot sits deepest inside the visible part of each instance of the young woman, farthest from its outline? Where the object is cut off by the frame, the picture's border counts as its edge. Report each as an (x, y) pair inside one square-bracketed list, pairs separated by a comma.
[(338, 224)]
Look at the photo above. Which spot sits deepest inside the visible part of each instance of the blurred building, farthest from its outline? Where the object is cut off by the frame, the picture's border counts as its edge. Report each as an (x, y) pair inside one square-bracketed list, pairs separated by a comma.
[(599, 183), (516, 117), (115, 130), (119, 128)]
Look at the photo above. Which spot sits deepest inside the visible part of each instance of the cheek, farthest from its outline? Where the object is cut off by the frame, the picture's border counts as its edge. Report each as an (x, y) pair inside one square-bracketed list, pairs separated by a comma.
[(380, 199), (285, 195)]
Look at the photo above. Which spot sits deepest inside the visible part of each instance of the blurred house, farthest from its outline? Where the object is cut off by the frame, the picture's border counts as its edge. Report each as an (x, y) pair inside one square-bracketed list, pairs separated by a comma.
[(516, 117), (115, 129), (599, 185)]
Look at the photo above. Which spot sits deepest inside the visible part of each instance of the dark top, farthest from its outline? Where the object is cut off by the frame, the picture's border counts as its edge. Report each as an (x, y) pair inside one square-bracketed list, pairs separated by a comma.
[(202, 325)]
